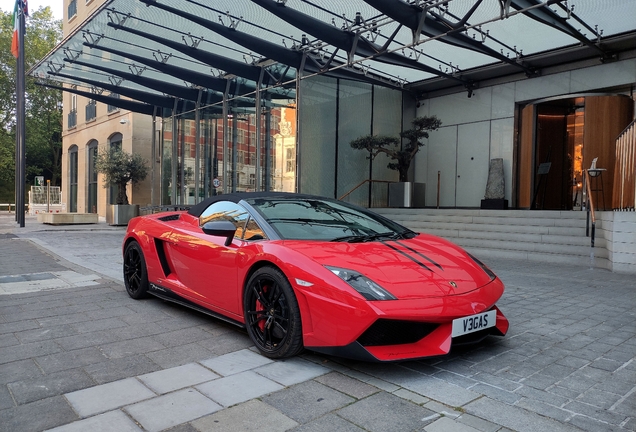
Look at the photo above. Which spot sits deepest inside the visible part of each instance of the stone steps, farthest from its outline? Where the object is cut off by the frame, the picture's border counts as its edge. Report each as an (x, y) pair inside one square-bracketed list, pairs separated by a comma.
[(519, 229), (549, 236), (577, 239)]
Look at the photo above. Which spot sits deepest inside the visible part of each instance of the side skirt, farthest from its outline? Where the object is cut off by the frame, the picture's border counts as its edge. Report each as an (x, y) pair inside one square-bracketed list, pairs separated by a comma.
[(169, 295)]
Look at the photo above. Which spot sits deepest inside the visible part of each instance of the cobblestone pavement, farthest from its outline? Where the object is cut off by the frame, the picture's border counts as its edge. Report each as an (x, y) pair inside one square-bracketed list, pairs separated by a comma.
[(81, 355)]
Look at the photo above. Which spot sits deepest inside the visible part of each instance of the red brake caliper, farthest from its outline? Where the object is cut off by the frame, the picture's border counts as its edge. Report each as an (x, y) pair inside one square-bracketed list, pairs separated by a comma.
[(259, 308)]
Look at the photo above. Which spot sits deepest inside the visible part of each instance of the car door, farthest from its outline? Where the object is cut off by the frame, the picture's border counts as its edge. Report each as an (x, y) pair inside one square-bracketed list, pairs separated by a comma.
[(205, 266)]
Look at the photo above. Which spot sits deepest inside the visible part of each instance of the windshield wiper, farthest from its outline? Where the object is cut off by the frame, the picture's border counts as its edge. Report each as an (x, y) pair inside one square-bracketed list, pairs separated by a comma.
[(361, 238)]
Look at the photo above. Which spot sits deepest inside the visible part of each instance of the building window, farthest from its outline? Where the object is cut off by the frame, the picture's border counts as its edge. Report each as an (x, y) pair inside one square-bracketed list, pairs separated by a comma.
[(72, 9), (189, 127), (72, 171), (72, 115), (72, 119), (113, 108), (91, 110), (290, 165), (91, 206)]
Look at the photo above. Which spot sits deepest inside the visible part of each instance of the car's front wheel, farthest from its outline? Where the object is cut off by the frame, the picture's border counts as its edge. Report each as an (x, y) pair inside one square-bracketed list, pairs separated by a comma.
[(135, 272), (272, 316)]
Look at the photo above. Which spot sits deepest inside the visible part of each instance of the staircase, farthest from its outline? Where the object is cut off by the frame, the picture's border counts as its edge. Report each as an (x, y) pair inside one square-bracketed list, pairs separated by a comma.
[(548, 236)]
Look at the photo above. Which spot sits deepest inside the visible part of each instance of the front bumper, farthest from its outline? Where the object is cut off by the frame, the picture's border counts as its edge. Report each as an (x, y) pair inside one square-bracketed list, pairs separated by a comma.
[(436, 341)]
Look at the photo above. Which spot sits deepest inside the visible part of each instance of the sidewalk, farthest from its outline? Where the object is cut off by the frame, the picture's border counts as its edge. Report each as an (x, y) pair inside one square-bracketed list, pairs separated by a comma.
[(77, 354)]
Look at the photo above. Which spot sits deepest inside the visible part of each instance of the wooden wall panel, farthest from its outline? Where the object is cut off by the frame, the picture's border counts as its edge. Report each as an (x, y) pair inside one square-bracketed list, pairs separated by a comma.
[(526, 156), (624, 195), (605, 119)]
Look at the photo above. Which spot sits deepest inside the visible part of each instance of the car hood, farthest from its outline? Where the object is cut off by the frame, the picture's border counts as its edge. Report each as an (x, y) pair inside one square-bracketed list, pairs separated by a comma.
[(423, 267)]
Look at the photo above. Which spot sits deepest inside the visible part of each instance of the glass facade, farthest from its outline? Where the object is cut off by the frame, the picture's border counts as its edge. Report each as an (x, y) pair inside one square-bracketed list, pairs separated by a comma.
[(333, 112), (251, 142), (241, 141)]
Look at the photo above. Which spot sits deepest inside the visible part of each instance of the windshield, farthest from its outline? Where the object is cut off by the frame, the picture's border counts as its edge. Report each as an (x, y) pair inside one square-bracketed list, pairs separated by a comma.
[(315, 219)]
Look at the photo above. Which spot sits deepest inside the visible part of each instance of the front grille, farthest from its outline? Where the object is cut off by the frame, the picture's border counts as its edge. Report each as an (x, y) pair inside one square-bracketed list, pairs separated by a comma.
[(170, 218), (392, 332)]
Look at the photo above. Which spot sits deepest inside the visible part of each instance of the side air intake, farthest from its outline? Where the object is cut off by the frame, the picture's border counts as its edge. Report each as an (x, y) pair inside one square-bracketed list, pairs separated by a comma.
[(161, 253)]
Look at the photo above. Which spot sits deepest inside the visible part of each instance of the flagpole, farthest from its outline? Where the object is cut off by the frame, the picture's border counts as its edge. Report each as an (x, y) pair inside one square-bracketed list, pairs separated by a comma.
[(20, 116)]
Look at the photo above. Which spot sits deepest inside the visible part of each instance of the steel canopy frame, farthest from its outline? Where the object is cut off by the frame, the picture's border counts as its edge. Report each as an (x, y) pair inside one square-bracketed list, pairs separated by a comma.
[(286, 56), (345, 39), (422, 17), (205, 81), (149, 98), (155, 84), (420, 21), (138, 107), (228, 65), (543, 14)]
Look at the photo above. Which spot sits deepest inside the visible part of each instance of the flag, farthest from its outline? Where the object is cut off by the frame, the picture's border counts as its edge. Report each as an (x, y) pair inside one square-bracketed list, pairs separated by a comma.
[(16, 24)]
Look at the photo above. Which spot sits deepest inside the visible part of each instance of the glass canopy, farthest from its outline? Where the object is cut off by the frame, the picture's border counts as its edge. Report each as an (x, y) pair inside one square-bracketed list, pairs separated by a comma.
[(154, 51)]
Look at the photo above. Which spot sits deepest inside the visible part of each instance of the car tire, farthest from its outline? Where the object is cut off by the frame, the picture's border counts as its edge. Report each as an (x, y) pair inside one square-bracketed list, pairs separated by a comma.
[(135, 271), (271, 312)]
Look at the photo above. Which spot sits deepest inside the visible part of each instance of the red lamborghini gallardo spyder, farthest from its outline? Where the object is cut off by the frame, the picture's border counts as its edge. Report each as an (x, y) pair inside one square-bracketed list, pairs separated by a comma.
[(300, 271)]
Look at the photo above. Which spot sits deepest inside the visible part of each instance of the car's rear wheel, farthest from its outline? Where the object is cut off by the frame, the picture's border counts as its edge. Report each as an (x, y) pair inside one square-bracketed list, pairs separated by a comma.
[(135, 272), (272, 316)]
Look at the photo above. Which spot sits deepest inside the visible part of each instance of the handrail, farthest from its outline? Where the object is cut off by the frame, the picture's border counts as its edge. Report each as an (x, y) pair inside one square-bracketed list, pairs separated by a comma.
[(361, 184), (590, 209)]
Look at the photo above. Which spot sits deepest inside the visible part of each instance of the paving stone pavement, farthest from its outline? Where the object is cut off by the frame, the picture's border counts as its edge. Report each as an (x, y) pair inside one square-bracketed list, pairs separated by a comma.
[(78, 358)]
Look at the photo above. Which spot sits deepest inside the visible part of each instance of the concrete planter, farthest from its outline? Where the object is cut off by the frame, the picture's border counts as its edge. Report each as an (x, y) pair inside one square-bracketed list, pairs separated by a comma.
[(121, 214), (68, 218), (407, 194)]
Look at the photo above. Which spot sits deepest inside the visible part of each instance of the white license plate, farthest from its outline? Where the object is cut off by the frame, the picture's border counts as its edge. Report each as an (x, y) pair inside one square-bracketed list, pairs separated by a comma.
[(474, 323)]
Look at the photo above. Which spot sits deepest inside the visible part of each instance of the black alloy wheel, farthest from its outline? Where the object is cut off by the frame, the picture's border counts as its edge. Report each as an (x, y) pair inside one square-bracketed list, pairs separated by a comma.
[(272, 316), (135, 272)]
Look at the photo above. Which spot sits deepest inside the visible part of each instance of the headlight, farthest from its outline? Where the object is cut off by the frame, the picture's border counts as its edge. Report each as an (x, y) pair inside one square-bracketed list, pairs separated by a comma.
[(484, 267), (365, 286)]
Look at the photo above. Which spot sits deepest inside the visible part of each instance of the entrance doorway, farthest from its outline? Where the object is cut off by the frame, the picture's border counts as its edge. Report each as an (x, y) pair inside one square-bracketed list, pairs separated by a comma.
[(559, 139), (559, 155)]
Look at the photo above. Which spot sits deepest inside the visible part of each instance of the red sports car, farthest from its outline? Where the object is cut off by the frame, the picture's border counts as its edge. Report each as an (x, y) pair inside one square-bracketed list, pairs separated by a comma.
[(300, 271)]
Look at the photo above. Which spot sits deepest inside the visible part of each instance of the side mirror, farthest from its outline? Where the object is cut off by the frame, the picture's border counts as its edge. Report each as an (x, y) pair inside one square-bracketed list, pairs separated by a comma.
[(222, 228)]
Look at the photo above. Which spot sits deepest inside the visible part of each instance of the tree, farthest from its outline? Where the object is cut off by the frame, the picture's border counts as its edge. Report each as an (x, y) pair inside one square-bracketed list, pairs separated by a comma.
[(43, 120), (120, 168), (401, 155)]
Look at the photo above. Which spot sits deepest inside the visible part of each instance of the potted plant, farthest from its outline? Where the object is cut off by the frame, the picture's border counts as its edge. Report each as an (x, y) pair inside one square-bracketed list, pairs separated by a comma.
[(120, 168), (401, 151)]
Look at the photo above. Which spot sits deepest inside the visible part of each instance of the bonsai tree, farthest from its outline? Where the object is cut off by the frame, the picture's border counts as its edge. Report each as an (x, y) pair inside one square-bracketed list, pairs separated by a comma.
[(401, 155), (120, 168)]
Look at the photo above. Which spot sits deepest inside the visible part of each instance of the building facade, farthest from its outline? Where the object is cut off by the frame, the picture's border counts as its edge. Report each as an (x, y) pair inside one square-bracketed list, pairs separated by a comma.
[(280, 117), (91, 127), (568, 116)]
